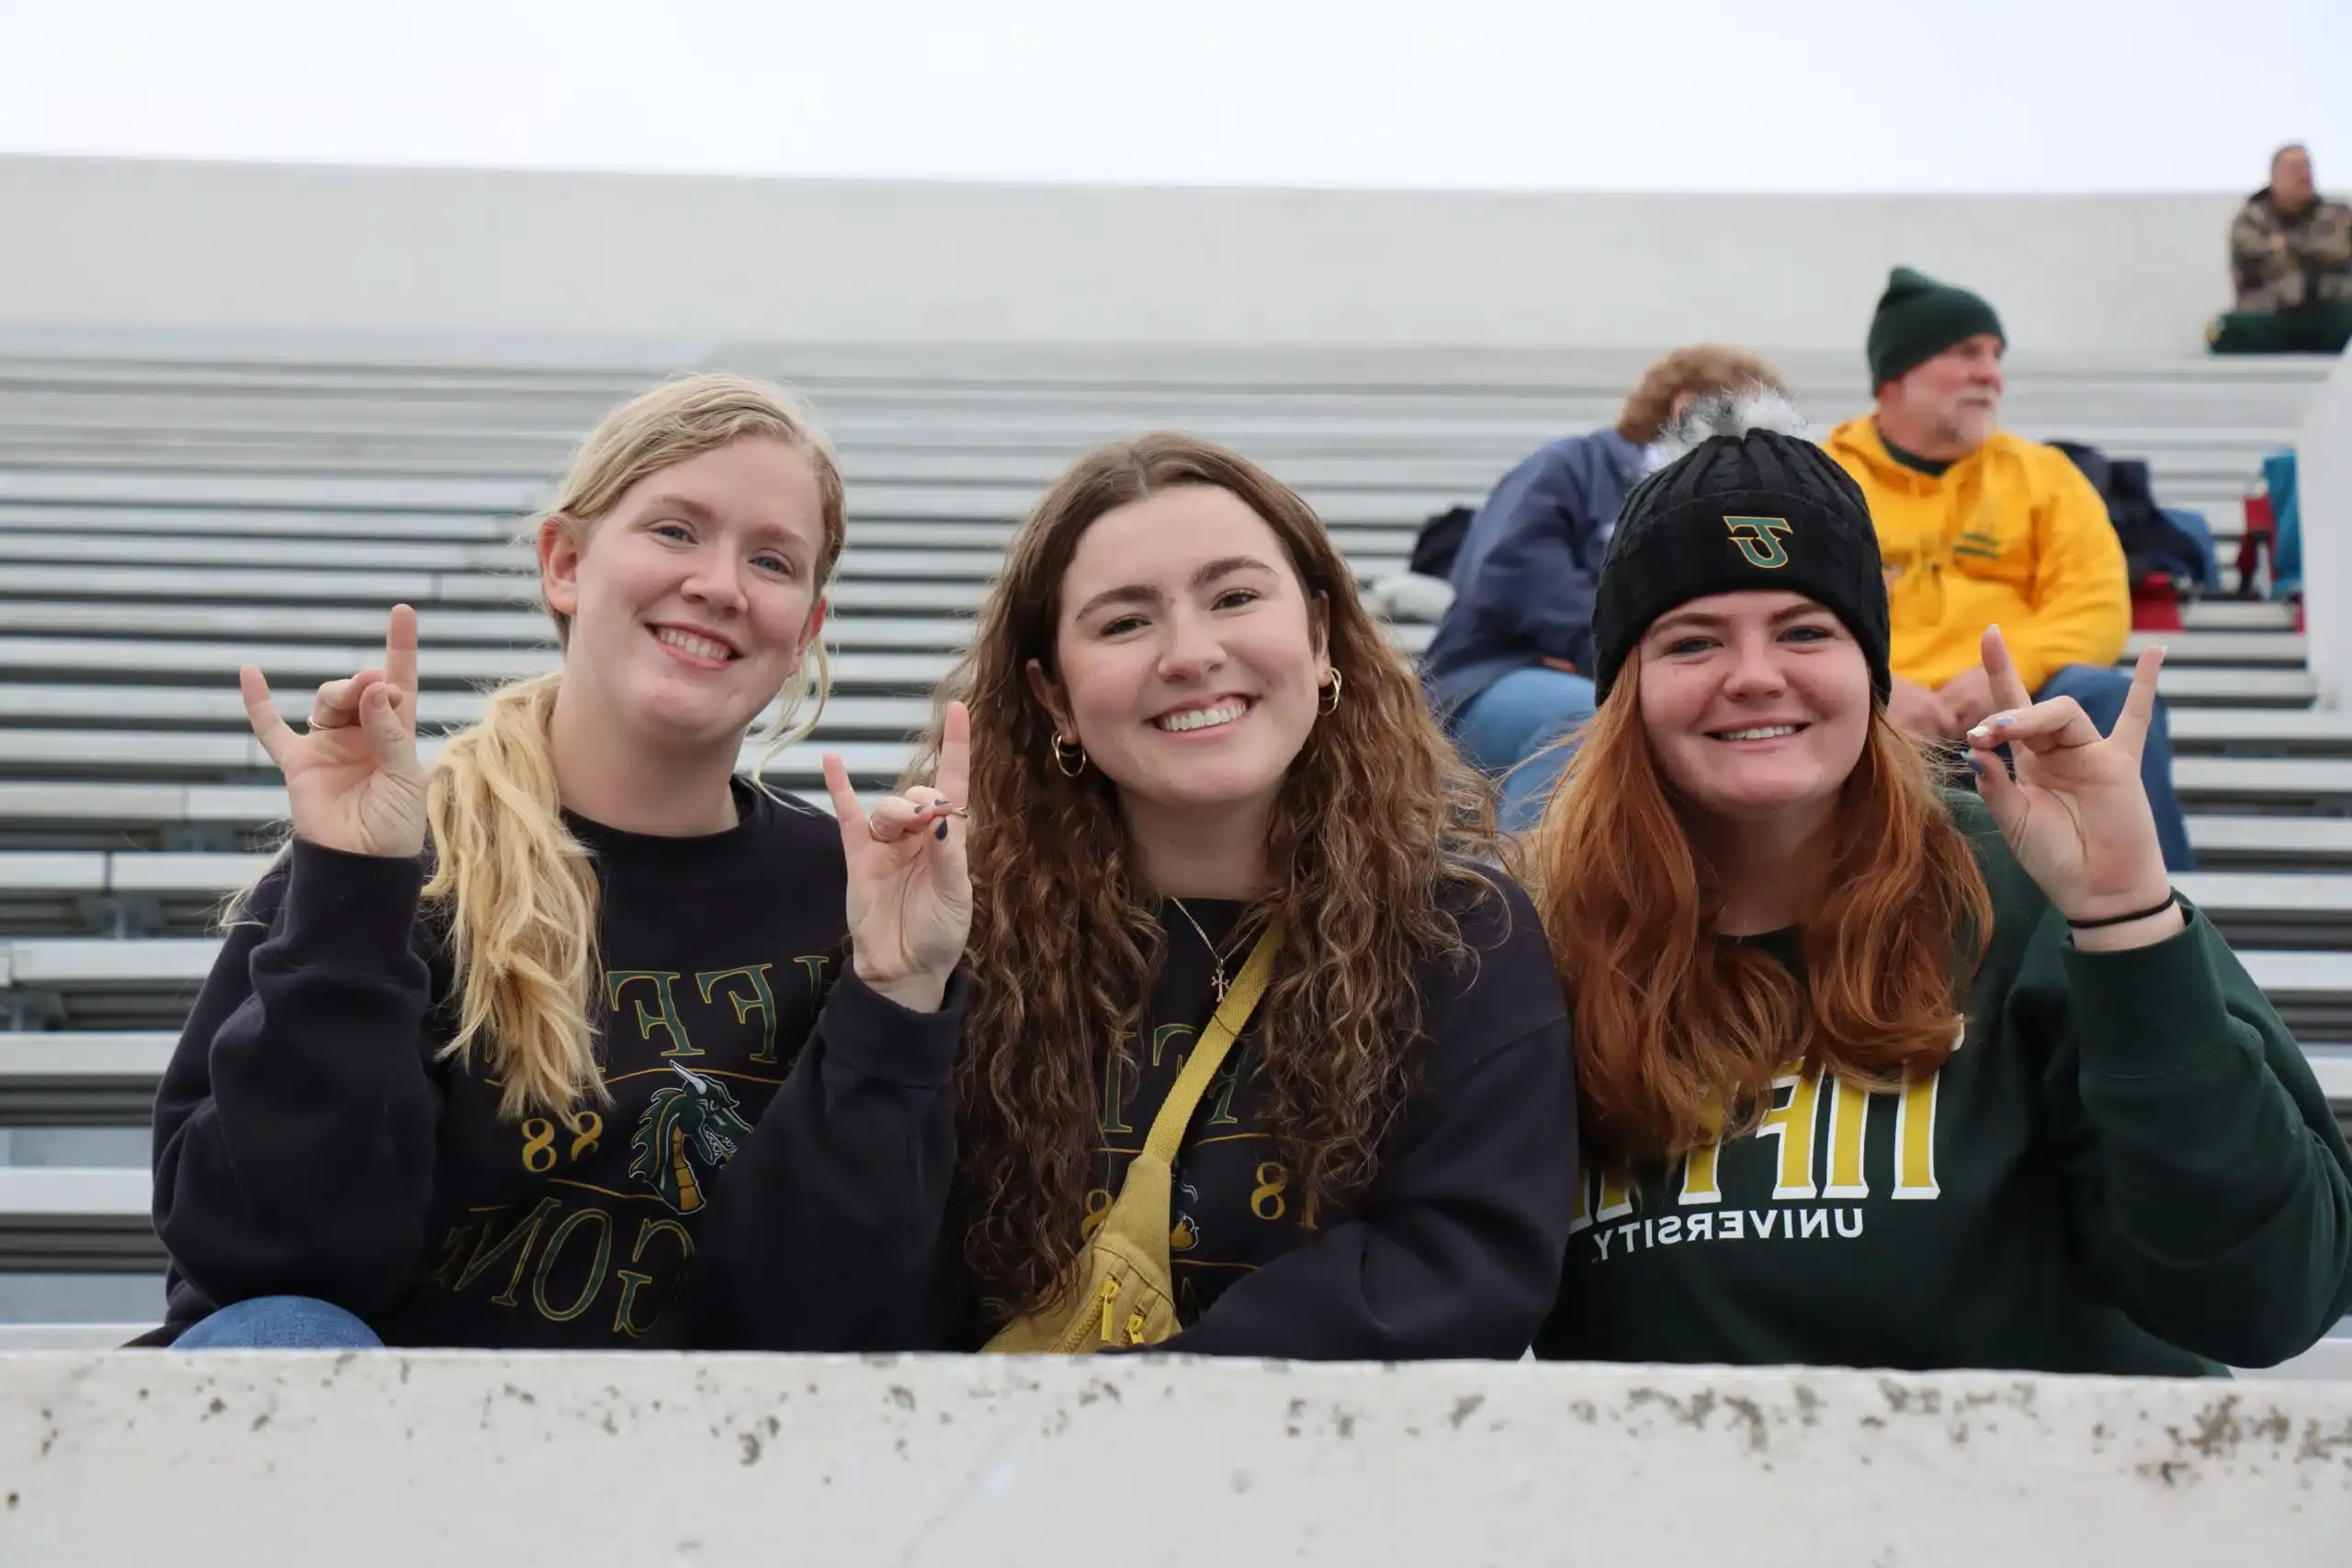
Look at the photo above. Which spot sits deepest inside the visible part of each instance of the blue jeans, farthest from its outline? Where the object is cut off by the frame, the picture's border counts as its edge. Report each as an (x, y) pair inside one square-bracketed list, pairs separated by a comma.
[(2100, 692), (279, 1322), (1512, 720)]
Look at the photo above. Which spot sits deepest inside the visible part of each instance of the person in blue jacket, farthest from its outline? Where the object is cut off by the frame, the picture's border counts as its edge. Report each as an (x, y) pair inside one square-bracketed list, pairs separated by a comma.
[(1509, 668)]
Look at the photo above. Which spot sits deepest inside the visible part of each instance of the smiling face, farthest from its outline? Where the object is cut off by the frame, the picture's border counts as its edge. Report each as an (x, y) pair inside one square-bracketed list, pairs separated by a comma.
[(1187, 653), (1755, 705), (696, 598)]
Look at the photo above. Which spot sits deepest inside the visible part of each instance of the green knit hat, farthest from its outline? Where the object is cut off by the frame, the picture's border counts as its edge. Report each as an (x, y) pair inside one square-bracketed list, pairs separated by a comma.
[(1918, 317)]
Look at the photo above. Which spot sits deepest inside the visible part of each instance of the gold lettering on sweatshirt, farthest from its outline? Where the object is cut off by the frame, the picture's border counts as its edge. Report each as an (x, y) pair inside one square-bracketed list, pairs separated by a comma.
[(666, 1016), (1266, 1198), (1606, 1199), (624, 1318), (518, 1240), (600, 1260), (1119, 1087), (1698, 1181), (761, 1000), (1792, 1121), (1850, 1109), (1180, 1036), (814, 966), (1915, 1141)]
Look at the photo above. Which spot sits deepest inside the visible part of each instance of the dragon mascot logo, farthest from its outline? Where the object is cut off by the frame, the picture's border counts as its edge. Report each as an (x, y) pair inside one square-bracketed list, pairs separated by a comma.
[(697, 1119)]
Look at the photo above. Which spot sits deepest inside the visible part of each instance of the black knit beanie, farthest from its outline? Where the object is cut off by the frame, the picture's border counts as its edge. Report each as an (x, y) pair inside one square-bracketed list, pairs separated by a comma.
[(1751, 507), (1918, 317)]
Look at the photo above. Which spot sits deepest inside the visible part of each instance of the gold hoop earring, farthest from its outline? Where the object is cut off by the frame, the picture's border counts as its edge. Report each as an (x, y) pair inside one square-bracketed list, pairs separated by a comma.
[(1062, 763), (1332, 691)]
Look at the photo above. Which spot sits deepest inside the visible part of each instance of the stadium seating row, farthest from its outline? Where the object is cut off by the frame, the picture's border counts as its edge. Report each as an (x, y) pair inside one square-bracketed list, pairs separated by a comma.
[(163, 520)]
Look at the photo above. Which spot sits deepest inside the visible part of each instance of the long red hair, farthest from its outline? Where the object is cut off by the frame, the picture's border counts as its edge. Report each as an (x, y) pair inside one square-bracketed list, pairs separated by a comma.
[(1679, 1034)]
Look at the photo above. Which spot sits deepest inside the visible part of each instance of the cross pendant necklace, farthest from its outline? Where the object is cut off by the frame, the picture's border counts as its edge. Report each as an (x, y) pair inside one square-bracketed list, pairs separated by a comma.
[(1216, 960)]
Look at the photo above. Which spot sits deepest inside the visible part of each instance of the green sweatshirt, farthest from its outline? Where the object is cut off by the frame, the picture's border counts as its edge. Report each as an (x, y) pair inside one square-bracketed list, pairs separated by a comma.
[(2126, 1167)]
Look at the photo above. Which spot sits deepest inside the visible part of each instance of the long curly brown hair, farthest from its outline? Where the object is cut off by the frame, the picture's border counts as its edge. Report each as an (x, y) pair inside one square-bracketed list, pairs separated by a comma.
[(1376, 818), (1679, 1035)]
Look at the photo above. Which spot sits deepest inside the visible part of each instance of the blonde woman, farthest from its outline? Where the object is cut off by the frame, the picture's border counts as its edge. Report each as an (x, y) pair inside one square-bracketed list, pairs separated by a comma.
[(509, 1051)]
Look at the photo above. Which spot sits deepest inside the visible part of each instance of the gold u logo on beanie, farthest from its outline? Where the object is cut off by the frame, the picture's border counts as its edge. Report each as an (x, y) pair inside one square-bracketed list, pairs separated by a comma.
[(1756, 537)]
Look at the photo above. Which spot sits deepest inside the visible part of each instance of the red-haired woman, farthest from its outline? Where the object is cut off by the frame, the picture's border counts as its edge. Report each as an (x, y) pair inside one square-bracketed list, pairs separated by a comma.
[(1875, 1074)]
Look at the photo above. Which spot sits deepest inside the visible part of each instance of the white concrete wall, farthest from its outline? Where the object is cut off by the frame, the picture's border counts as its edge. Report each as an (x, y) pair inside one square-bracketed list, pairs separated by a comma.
[(103, 244), (2323, 495), (971, 1463)]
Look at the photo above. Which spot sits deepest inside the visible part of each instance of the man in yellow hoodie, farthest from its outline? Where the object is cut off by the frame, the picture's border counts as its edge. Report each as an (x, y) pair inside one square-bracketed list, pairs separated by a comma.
[(1977, 528)]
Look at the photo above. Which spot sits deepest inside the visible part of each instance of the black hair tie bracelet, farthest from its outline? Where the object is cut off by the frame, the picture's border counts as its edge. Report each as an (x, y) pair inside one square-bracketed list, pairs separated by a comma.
[(2170, 900)]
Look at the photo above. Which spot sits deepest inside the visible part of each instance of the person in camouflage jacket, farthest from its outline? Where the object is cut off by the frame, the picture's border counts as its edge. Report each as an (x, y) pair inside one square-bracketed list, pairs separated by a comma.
[(2290, 257)]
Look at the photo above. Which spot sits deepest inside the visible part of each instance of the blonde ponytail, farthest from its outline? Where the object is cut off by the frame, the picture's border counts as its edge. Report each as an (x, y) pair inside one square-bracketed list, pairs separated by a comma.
[(520, 895), (516, 889)]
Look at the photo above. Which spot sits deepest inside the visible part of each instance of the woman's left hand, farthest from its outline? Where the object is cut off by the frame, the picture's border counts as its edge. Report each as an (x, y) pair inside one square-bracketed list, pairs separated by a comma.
[(2076, 815), (910, 907)]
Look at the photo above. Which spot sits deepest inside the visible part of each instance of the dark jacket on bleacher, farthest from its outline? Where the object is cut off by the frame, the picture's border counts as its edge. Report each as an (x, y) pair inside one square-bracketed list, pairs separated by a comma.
[(1523, 581), (734, 1188)]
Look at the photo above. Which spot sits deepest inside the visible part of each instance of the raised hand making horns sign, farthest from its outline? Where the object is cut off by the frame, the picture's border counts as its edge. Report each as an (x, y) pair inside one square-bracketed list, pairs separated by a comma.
[(909, 888), (2076, 815), (352, 782)]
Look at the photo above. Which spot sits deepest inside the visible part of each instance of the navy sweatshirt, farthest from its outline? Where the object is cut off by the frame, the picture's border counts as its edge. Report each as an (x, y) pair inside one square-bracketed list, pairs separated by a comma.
[(1453, 1250), (1523, 581), (311, 1140)]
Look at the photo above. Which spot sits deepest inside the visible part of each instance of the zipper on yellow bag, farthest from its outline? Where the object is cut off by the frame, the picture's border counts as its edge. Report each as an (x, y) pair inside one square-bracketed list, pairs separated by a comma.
[(1110, 1296)]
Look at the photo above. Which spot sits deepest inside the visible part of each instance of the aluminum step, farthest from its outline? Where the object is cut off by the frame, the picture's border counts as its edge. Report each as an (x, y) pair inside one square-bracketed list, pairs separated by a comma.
[(93, 1079), (84, 1079), (145, 983), (165, 893), (93, 706), (77, 1220)]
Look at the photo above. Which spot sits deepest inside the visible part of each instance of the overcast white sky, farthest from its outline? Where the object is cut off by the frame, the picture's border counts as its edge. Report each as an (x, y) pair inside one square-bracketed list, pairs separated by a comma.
[(1699, 94)]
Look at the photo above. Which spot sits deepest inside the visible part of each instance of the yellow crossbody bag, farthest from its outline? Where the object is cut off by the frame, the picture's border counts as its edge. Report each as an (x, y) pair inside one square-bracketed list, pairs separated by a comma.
[(1126, 1290)]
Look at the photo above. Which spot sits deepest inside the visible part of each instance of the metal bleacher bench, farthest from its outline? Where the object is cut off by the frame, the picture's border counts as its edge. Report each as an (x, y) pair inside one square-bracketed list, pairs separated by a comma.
[(68, 1219), (166, 518)]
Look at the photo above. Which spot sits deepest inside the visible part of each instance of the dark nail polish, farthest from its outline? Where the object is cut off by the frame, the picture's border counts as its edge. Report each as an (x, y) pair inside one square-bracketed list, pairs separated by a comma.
[(942, 834), (1976, 765)]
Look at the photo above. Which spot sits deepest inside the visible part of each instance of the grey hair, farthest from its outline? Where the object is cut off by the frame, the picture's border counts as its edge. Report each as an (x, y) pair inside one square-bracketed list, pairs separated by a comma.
[(1734, 412)]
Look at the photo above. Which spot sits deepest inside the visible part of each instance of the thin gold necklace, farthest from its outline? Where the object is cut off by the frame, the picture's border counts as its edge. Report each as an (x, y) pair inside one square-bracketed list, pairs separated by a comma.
[(1216, 959)]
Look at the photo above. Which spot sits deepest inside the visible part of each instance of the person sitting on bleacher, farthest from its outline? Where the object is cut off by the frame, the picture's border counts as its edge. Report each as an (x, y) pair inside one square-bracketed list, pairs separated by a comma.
[(509, 1054), (1509, 666), (1263, 1057), (1979, 527), (1875, 1074), (2290, 257)]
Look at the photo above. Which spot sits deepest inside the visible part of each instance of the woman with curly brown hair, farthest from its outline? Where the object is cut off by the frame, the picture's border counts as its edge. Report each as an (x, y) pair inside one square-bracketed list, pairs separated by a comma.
[(1193, 748), (1875, 1074)]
